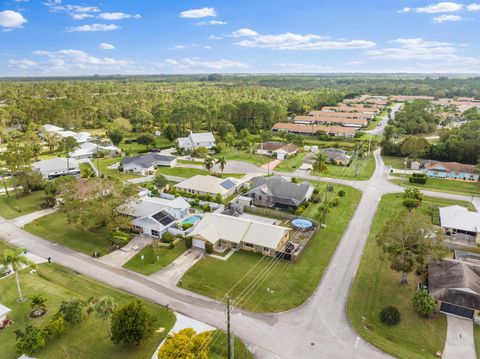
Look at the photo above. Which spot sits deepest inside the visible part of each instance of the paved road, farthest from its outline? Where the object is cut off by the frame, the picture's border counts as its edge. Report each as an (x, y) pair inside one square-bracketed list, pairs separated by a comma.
[(317, 329), (379, 129)]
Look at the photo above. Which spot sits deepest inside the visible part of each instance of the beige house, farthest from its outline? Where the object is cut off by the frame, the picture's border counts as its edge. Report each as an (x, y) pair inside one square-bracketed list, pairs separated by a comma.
[(213, 186), (224, 231), (279, 150)]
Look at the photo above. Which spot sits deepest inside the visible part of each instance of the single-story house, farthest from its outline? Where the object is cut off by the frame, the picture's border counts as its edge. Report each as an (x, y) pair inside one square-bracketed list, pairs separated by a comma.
[(331, 120), (302, 129), (153, 216), (337, 156), (147, 163), (224, 231), (213, 186), (455, 285), (451, 170), (278, 149), (460, 223), (52, 128), (80, 137), (278, 192), (351, 115), (195, 140), (4, 312), (89, 149), (57, 167)]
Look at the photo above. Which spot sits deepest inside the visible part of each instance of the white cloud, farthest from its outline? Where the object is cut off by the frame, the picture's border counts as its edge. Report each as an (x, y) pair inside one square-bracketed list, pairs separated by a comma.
[(93, 28), (22, 63), (199, 13), (473, 7), (211, 22), (446, 18), (11, 19), (299, 67), (435, 8), (292, 41), (195, 65), (117, 16), (106, 46), (215, 37)]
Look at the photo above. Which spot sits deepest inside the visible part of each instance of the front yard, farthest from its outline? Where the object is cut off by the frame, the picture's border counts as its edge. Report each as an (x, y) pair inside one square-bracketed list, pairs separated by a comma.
[(105, 163), (288, 284), (291, 164), (377, 286), (85, 340), (441, 185), (366, 167), (55, 228), (150, 264), (11, 207), (230, 154)]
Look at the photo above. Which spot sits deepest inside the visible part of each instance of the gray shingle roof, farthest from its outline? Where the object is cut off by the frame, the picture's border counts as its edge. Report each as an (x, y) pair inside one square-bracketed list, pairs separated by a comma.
[(283, 191), (147, 160)]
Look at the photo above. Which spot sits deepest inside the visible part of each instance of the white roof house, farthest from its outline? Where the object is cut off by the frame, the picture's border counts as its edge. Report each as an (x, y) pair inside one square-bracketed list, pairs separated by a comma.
[(4, 311), (79, 136), (211, 185), (57, 167), (195, 140), (52, 128), (215, 227), (88, 150), (460, 219)]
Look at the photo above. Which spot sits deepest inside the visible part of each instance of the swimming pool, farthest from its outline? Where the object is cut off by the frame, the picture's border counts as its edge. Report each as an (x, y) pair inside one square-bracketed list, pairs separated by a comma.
[(192, 219), (302, 224)]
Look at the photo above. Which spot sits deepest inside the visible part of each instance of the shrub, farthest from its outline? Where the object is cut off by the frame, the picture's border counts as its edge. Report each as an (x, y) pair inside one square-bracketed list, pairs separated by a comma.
[(167, 237), (209, 247), (131, 324), (334, 202), (171, 245), (420, 178), (424, 303), (30, 339), (390, 316), (207, 208), (299, 211), (294, 180), (73, 311), (188, 242), (341, 193), (186, 226), (56, 326)]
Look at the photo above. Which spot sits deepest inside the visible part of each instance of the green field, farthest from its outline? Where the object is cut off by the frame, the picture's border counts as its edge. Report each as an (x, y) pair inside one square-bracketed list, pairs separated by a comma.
[(104, 163), (394, 162), (150, 264), (218, 349), (377, 286), (366, 167), (441, 185), (54, 227), (132, 149), (291, 164), (187, 172), (476, 337), (292, 283), (373, 123), (11, 207), (85, 340), (230, 153)]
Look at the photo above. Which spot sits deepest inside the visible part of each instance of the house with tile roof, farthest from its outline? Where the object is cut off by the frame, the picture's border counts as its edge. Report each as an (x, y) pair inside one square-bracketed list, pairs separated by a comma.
[(451, 170), (213, 186), (279, 150)]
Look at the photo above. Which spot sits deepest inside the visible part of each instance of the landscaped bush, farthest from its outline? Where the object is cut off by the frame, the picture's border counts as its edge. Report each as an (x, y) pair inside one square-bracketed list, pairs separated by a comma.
[(420, 178), (209, 247), (299, 211), (390, 316), (186, 226), (167, 237), (341, 193), (188, 242), (334, 202), (424, 303), (207, 208)]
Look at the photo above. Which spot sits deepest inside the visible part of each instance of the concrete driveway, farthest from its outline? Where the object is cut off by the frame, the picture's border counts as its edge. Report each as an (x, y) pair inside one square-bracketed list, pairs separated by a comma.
[(460, 342), (175, 271), (27, 218), (121, 256)]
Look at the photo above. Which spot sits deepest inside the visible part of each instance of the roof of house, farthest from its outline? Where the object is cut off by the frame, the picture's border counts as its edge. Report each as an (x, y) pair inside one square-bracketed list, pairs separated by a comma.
[(459, 217), (450, 166), (196, 138), (78, 136), (89, 148), (56, 164), (208, 184), (147, 206), (275, 146), (346, 108), (282, 190), (295, 127), (214, 227), (147, 160), (330, 119), (323, 113), (336, 154), (4, 310), (455, 282), (52, 128)]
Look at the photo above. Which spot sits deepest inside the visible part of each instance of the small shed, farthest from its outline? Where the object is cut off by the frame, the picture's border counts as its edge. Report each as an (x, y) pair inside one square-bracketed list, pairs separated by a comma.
[(244, 200), (415, 165), (4, 312)]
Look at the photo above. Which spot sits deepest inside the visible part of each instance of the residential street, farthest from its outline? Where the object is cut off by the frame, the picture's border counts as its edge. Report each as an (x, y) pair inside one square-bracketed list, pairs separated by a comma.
[(317, 329)]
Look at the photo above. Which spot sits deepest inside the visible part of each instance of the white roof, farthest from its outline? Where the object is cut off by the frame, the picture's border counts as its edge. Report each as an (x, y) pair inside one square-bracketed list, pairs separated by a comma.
[(460, 218), (51, 128), (147, 206), (89, 148), (202, 137), (79, 136), (208, 184), (4, 310), (214, 226), (55, 164)]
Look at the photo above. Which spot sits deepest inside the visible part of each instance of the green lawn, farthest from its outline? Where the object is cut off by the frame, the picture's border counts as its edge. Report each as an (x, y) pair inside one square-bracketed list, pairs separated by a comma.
[(85, 340), (441, 185), (132, 149), (104, 163), (292, 283), (234, 154), (372, 124), (55, 228), (187, 172), (218, 349), (150, 264), (377, 286), (291, 164), (366, 167), (476, 337), (394, 162), (11, 207)]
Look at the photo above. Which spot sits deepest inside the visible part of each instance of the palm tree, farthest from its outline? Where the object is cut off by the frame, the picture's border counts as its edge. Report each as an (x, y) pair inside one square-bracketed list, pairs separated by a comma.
[(68, 144), (320, 163), (15, 258), (208, 163), (229, 140), (104, 310), (221, 162)]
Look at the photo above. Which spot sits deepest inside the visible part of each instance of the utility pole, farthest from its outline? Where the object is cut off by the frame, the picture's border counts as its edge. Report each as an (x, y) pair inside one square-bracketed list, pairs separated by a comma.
[(98, 165), (229, 331), (369, 140), (356, 166)]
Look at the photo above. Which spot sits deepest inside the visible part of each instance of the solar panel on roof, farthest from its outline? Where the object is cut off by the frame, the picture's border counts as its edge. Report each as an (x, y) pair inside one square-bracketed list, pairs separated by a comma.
[(228, 184), (164, 218)]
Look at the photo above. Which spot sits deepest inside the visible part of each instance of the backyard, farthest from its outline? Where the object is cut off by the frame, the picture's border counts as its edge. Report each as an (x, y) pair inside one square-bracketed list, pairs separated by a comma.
[(85, 340), (442, 185), (150, 264), (377, 286), (288, 284), (11, 207), (55, 228), (366, 167)]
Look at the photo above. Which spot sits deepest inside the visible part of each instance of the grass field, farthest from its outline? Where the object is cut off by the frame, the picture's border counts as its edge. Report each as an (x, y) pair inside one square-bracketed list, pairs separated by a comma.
[(394, 162), (292, 283), (150, 264), (85, 340), (54, 227), (450, 186), (476, 337), (377, 286), (291, 164), (186, 172), (132, 149), (373, 123), (234, 154), (366, 167), (218, 349), (11, 207), (104, 163)]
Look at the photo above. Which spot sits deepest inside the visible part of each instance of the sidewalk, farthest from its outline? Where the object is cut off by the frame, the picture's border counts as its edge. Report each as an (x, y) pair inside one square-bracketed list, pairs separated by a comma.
[(27, 218)]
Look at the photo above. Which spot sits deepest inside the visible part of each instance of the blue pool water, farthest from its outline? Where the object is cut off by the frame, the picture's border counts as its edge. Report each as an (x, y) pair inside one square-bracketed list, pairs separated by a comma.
[(192, 219), (302, 223)]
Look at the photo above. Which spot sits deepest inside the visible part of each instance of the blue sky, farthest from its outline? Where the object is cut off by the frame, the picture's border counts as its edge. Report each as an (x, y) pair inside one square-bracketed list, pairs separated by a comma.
[(60, 37)]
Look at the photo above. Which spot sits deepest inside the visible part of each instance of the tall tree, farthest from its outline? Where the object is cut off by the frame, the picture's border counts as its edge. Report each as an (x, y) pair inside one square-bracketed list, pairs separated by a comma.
[(208, 163), (104, 310), (222, 163), (68, 144), (320, 163), (131, 324), (412, 198), (15, 258), (116, 136)]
